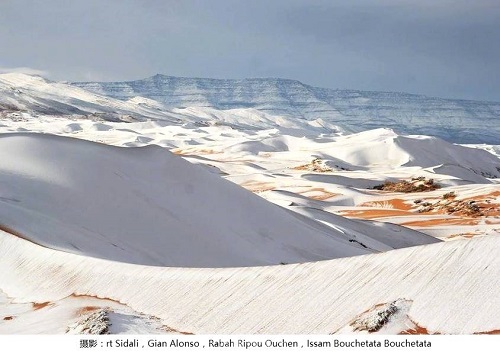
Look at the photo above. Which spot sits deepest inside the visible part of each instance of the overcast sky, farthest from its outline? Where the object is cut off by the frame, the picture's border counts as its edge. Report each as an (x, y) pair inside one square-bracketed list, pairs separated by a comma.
[(445, 48)]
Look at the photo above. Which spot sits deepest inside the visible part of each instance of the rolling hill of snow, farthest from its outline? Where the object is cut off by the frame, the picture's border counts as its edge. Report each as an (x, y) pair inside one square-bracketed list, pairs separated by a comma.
[(148, 206), (448, 287), (383, 148), (461, 121)]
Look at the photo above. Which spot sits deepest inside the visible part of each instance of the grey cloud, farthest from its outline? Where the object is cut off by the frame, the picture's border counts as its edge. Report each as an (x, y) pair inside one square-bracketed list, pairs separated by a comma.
[(443, 48)]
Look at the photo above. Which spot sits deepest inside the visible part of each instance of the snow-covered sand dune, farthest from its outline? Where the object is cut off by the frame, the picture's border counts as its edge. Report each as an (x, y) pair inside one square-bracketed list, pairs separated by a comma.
[(383, 150), (149, 206), (268, 162), (448, 287)]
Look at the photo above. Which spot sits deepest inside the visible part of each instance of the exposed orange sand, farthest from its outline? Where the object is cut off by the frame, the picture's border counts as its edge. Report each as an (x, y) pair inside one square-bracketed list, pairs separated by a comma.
[(395, 207), (257, 186), (464, 234), (323, 196), (491, 195), (326, 195), (170, 329), (95, 297), (87, 309), (41, 305), (375, 213), (301, 167), (396, 203), (442, 222), (489, 208), (399, 207), (381, 213), (415, 330), (400, 204), (483, 210), (495, 331)]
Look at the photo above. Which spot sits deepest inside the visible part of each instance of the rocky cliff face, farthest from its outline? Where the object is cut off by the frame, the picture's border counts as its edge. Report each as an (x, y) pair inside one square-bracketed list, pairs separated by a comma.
[(460, 121)]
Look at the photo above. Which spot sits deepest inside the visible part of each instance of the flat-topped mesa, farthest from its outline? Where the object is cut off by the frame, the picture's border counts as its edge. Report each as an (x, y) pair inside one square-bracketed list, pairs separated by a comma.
[(351, 109)]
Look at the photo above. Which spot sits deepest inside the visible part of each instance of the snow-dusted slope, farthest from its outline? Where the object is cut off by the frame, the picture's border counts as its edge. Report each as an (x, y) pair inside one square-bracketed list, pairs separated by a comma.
[(253, 119), (460, 121), (449, 287), (148, 206), (383, 148), (34, 94)]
